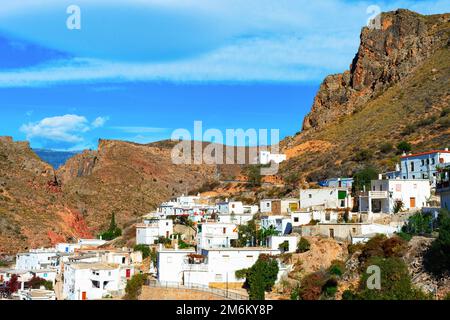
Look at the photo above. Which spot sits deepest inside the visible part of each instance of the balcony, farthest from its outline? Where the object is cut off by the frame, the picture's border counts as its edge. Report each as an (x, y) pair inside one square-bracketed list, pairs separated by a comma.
[(375, 194), (195, 267)]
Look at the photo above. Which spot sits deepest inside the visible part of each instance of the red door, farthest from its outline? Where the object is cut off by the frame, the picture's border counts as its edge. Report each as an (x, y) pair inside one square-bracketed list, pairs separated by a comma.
[(83, 295), (128, 273)]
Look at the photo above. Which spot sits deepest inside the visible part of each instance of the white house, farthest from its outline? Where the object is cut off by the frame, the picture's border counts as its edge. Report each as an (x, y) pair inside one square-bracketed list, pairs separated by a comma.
[(67, 247), (149, 231), (423, 165), (216, 235), (385, 193), (219, 266), (338, 183), (48, 275), (91, 281), (281, 223), (250, 209), (278, 206), (37, 259), (327, 198), (265, 157), (301, 218), (274, 243), (230, 207), (170, 264), (237, 219), (91, 242)]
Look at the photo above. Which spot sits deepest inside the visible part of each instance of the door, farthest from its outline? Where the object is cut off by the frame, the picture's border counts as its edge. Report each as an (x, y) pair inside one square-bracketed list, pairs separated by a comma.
[(83, 295), (128, 273), (412, 202), (332, 233)]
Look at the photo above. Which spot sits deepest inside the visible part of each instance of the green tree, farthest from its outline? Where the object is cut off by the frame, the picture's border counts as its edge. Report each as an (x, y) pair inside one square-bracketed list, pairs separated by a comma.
[(145, 249), (113, 231), (260, 277), (303, 245), (247, 233), (404, 146), (134, 286), (253, 173), (36, 283), (437, 258), (363, 178)]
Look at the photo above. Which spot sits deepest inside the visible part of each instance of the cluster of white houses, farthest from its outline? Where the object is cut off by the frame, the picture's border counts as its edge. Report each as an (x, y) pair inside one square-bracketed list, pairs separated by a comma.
[(86, 271), (77, 271)]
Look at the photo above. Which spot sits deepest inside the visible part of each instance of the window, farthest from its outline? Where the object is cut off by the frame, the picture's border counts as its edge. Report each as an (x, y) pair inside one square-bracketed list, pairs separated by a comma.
[(423, 162), (267, 204), (233, 206), (224, 230), (310, 195), (354, 230), (218, 278), (123, 261), (433, 161), (412, 166), (295, 219), (414, 176), (428, 161)]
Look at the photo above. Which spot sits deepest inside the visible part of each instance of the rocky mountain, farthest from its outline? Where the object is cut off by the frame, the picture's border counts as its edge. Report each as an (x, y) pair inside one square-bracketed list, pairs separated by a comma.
[(397, 89), (386, 56)]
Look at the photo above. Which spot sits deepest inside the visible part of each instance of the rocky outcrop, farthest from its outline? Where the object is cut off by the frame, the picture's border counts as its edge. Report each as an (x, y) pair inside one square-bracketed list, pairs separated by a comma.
[(385, 57)]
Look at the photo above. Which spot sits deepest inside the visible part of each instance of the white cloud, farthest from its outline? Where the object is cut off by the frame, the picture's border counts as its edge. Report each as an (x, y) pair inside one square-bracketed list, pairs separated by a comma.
[(65, 128), (99, 122)]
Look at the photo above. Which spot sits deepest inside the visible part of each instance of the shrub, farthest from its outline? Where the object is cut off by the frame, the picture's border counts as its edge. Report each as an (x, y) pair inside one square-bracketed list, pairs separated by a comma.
[(404, 146), (419, 224), (36, 283), (144, 249), (260, 277), (386, 147), (113, 232), (437, 258), (398, 206), (303, 245), (363, 155), (363, 178), (337, 268), (134, 287)]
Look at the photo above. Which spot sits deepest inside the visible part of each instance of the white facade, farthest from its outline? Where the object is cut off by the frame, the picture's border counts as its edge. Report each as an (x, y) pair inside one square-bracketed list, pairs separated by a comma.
[(281, 223), (220, 265), (91, 242), (278, 206), (37, 259), (170, 264), (48, 275), (327, 198), (423, 165), (274, 242), (37, 295), (231, 207), (91, 281), (237, 219), (265, 157), (216, 235), (384, 194), (149, 231), (67, 247), (302, 218), (250, 209)]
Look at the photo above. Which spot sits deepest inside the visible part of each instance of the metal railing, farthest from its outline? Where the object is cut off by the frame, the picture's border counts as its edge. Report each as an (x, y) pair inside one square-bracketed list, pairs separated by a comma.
[(226, 294)]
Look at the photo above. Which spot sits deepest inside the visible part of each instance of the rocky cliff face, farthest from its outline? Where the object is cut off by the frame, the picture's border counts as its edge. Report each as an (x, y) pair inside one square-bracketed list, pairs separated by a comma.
[(385, 57)]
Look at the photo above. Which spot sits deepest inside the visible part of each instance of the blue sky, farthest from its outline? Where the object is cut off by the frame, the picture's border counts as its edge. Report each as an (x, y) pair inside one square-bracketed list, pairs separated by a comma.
[(139, 69)]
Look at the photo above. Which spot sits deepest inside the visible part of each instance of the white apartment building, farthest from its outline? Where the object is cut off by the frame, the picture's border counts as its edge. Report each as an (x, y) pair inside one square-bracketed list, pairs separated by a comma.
[(281, 223), (326, 198), (265, 157), (423, 165), (35, 259), (216, 235), (238, 219), (278, 206), (384, 194), (149, 231), (170, 264), (91, 281)]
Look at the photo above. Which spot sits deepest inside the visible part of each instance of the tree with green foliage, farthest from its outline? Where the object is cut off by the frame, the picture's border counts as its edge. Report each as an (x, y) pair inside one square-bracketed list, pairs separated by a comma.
[(363, 178), (404, 146), (253, 173), (421, 223), (36, 283), (303, 245), (145, 249), (261, 277), (437, 258), (386, 147), (247, 233), (134, 287), (113, 231), (264, 233)]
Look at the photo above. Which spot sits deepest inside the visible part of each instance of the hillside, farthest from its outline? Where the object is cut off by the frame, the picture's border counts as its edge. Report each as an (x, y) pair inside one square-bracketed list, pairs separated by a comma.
[(397, 89)]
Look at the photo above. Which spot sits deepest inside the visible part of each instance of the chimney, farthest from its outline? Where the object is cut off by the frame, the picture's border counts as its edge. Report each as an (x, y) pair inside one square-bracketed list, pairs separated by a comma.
[(380, 177), (404, 153)]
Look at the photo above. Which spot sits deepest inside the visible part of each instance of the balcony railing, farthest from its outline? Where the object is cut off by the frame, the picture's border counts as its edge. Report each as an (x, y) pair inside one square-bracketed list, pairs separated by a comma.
[(195, 267), (375, 194)]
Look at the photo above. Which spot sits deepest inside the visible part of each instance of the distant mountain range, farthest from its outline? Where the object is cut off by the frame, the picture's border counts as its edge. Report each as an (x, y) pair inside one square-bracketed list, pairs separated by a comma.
[(55, 158)]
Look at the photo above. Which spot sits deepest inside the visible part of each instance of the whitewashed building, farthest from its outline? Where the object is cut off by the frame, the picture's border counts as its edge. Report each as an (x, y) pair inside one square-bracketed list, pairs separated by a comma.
[(35, 259), (278, 206), (91, 242), (67, 247), (281, 223), (91, 281), (170, 264), (301, 218), (443, 186), (423, 165), (274, 243), (326, 198), (238, 219), (216, 235), (230, 207), (149, 231), (384, 194)]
